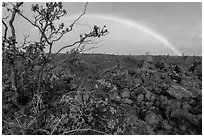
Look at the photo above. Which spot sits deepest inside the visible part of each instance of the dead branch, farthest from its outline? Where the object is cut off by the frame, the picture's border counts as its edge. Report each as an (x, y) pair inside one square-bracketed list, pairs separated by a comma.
[(62, 117), (71, 45), (72, 25), (25, 42), (35, 25), (84, 130), (5, 31)]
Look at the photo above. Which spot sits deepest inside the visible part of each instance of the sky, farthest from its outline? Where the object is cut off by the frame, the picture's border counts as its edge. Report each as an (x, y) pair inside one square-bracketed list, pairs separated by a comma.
[(159, 28)]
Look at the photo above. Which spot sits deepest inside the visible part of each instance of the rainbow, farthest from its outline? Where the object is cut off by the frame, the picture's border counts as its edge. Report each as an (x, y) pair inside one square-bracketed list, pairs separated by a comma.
[(135, 25)]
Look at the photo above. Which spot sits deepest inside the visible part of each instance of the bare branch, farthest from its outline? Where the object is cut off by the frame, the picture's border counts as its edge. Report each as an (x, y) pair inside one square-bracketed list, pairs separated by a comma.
[(95, 33), (71, 45), (83, 130), (62, 34), (3, 18), (72, 25), (62, 117), (6, 30), (35, 25), (89, 27), (26, 18), (25, 41)]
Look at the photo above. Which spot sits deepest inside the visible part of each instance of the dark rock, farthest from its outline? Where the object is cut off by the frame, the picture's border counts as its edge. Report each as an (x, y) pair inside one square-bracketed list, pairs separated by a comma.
[(114, 96), (195, 120), (127, 101), (148, 95), (148, 105), (170, 107), (198, 71), (140, 97), (125, 93), (139, 90), (162, 98), (155, 110), (137, 126), (177, 69), (166, 125), (153, 119), (162, 132), (153, 98), (159, 65), (146, 80), (179, 92), (137, 81), (147, 65)]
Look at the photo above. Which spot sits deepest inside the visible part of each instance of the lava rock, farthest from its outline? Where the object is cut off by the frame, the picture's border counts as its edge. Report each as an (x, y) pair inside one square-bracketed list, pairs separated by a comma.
[(153, 98), (137, 81), (148, 95), (147, 65), (137, 126), (179, 92), (153, 119), (125, 93), (166, 125), (140, 97), (114, 96), (162, 98), (127, 101), (195, 120), (139, 90)]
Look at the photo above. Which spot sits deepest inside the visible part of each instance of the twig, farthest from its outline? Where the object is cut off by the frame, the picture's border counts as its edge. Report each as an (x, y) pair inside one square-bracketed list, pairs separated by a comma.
[(63, 33), (9, 123), (35, 25), (71, 26), (25, 41), (18, 121), (78, 130), (89, 26), (31, 122), (22, 128), (57, 124), (6, 30), (71, 45), (43, 130)]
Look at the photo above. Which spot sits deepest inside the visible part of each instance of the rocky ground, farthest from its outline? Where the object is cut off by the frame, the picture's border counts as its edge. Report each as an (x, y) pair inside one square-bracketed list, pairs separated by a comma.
[(148, 97), (158, 100)]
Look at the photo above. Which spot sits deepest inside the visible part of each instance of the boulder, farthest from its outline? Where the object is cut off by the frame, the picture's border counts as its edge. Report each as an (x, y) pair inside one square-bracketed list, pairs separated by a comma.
[(179, 92), (147, 65), (148, 95), (125, 93), (114, 96), (140, 97), (166, 125), (162, 98), (153, 98), (127, 101), (139, 90), (195, 120), (137, 126), (153, 119), (137, 81)]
